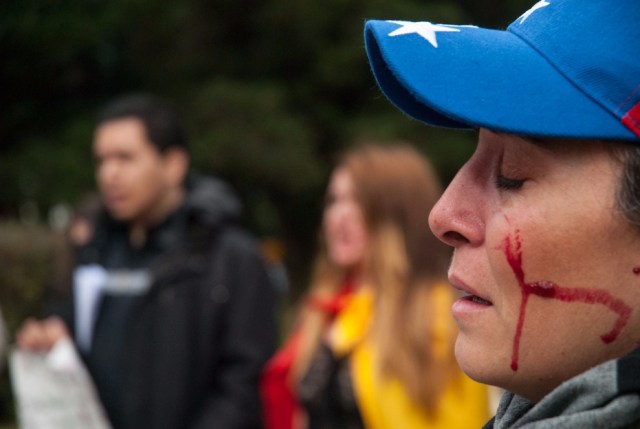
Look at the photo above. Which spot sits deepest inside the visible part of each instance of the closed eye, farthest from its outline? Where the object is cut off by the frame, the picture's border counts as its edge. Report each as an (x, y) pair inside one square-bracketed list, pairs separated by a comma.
[(508, 183)]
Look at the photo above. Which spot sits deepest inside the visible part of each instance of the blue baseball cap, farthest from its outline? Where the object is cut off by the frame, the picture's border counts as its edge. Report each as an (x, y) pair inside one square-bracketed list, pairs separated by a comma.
[(564, 68)]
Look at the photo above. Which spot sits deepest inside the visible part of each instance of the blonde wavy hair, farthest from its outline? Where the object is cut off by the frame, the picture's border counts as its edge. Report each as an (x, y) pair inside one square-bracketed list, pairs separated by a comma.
[(396, 188)]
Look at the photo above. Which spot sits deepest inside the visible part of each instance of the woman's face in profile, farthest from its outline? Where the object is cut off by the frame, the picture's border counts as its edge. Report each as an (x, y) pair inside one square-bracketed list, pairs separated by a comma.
[(344, 227), (548, 264)]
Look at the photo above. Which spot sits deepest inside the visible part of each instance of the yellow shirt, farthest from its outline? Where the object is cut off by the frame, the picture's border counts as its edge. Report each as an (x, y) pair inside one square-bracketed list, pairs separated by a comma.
[(384, 403)]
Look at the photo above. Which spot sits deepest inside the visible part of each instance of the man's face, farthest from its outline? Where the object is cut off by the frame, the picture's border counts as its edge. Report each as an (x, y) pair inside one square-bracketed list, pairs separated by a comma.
[(130, 172)]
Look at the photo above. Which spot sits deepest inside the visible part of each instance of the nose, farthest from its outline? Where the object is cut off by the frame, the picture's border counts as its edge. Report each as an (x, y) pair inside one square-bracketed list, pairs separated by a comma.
[(457, 218), (106, 172)]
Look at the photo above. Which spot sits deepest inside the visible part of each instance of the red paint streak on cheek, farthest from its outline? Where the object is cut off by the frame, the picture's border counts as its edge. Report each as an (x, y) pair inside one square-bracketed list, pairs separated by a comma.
[(550, 290)]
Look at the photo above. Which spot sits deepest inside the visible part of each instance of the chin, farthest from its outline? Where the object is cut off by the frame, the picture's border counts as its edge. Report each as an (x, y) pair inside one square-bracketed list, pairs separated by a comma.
[(120, 215), (482, 364), (344, 259)]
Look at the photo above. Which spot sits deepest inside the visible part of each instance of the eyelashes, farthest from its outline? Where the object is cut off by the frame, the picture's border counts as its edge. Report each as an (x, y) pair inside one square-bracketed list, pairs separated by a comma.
[(507, 183)]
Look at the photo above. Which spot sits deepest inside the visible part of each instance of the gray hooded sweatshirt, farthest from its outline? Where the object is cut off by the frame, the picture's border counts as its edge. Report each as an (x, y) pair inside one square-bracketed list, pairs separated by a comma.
[(606, 396)]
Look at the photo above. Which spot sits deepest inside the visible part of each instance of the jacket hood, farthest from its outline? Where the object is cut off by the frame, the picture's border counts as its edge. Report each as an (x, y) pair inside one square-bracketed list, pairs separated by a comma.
[(208, 205), (211, 201)]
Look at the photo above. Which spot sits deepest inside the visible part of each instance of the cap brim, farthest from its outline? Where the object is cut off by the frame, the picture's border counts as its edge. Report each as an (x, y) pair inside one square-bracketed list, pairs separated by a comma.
[(478, 77)]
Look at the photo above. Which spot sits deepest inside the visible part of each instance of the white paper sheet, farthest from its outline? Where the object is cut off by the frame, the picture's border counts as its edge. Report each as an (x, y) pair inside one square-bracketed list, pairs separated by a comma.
[(54, 390)]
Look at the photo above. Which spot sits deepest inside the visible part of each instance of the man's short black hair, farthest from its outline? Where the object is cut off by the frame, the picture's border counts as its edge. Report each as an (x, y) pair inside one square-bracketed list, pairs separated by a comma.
[(164, 127)]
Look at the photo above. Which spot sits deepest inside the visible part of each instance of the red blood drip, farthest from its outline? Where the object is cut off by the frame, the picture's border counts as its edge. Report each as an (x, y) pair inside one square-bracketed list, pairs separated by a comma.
[(548, 289), (636, 270)]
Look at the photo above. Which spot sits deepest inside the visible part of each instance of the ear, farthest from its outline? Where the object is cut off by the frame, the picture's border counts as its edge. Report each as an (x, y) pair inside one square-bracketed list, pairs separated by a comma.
[(176, 163)]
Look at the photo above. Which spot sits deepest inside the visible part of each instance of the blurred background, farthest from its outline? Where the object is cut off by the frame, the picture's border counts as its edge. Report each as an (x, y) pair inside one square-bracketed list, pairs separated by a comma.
[(272, 90)]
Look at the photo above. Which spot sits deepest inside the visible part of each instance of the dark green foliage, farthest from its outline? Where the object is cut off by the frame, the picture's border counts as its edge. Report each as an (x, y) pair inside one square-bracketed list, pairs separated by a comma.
[(272, 89), (31, 259)]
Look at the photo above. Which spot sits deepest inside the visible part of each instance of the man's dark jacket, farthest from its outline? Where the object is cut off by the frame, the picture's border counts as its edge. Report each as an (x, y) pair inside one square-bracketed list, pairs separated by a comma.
[(195, 343)]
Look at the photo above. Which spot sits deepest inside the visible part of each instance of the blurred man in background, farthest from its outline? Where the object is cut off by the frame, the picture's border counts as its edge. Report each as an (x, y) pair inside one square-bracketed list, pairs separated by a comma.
[(173, 310)]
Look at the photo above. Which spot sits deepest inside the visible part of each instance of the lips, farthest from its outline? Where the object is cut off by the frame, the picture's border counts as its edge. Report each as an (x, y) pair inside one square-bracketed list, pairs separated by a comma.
[(114, 199), (477, 300), (469, 294)]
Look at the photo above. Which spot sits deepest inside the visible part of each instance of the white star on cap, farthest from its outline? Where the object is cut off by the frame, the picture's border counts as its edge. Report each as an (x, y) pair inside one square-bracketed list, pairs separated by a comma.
[(425, 29), (539, 5)]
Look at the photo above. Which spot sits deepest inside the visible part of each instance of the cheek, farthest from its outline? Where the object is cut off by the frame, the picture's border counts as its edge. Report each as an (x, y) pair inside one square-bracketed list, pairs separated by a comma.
[(360, 240), (329, 222), (564, 302), (346, 241), (502, 266), (581, 252), (105, 176), (146, 180)]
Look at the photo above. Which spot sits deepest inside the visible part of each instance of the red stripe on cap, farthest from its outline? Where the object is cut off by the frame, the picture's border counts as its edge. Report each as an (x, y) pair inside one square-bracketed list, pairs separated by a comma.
[(632, 119)]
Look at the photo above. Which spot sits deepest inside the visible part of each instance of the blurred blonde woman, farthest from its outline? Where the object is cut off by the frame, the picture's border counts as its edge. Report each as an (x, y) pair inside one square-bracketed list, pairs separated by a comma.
[(374, 348)]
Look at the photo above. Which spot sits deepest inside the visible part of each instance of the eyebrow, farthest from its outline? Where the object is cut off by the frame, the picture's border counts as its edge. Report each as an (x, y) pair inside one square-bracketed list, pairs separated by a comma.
[(548, 144)]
